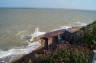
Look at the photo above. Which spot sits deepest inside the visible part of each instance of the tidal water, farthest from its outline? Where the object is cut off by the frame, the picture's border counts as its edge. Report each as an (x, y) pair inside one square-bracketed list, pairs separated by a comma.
[(17, 23)]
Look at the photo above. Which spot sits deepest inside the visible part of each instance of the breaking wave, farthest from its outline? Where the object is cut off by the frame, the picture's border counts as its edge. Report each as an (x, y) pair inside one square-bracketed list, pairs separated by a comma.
[(74, 24), (6, 56), (25, 49), (78, 24)]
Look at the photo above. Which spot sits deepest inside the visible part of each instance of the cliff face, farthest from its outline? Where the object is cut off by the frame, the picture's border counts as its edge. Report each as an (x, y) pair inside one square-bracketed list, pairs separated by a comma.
[(85, 36)]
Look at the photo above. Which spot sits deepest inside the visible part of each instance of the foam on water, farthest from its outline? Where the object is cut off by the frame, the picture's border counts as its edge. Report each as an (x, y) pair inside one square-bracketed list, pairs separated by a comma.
[(74, 24), (62, 27), (31, 46), (36, 33), (4, 53), (22, 34), (78, 23), (19, 51)]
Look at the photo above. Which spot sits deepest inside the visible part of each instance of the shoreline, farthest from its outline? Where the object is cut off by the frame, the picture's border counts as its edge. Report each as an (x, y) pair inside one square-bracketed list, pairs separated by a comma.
[(49, 35)]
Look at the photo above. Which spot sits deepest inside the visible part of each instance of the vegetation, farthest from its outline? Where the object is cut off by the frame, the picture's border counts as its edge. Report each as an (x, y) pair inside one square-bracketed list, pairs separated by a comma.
[(86, 35), (68, 53)]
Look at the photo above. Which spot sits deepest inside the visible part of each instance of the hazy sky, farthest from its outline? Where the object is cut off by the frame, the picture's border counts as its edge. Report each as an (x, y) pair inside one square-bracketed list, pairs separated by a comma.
[(70, 4)]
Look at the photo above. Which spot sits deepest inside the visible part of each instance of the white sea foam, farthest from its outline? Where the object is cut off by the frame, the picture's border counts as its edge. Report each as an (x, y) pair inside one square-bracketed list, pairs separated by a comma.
[(26, 36), (74, 24), (62, 27), (65, 27), (4, 53), (22, 34), (12, 53), (36, 33), (19, 51), (78, 24)]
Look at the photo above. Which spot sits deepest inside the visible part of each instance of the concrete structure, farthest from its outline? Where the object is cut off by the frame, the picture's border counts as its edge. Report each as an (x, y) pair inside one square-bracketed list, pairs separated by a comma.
[(53, 39)]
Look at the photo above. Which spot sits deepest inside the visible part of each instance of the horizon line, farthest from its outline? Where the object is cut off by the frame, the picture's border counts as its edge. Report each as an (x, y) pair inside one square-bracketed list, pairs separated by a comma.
[(43, 8)]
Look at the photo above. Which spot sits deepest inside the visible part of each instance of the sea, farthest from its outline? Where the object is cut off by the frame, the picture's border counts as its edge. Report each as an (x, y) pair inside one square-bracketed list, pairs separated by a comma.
[(15, 23)]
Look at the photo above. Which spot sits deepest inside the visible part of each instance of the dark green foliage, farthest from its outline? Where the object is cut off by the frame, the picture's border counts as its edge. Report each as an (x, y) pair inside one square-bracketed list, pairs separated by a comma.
[(68, 55), (86, 35)]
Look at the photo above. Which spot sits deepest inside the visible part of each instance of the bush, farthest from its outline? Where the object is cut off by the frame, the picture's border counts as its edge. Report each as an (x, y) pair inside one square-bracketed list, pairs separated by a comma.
[(86, 35), (68, 55)]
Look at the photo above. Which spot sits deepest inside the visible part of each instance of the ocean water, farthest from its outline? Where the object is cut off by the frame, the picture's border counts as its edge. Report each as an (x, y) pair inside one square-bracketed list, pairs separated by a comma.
[(17, 23)]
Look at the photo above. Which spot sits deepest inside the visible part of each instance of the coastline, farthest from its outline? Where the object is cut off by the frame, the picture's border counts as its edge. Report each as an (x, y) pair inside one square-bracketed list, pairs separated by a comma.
[(49, 35), (53, 43)]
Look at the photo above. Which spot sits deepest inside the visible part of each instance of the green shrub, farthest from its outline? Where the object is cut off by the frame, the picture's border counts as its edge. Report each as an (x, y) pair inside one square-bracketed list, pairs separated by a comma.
[(86, 35), (69, 55)]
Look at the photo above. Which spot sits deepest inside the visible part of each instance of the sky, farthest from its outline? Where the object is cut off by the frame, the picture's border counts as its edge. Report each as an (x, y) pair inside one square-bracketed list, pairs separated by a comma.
[(66, 4)]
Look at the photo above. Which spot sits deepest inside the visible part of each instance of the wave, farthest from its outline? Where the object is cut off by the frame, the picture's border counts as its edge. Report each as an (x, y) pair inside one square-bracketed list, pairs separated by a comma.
[(78, 23), (62, 27), (74, 24), (22, 34), (12, 53), (36, 33), (9, 54), (31, 46)]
